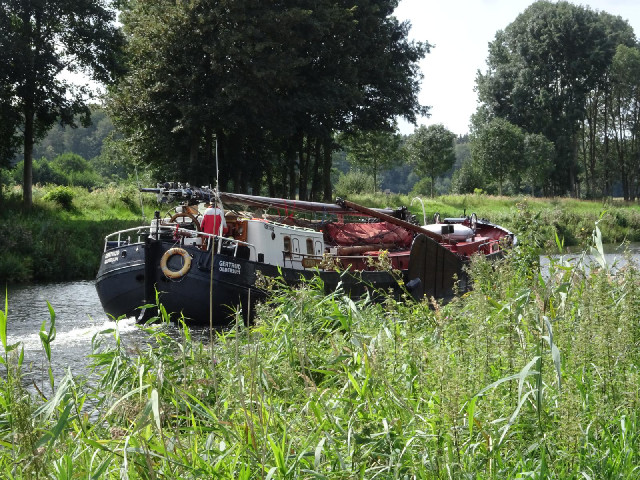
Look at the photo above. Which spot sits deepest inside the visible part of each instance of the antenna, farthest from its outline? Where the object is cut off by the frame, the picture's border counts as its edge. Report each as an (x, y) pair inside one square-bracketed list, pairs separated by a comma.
[(211, 262)]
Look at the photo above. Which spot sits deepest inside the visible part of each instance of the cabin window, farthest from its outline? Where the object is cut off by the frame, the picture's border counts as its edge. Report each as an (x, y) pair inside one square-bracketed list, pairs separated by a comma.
[(309, 246), (287, 245)]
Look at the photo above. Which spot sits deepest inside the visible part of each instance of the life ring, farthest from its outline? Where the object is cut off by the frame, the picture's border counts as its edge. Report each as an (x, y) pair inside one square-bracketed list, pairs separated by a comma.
[(186, 258)]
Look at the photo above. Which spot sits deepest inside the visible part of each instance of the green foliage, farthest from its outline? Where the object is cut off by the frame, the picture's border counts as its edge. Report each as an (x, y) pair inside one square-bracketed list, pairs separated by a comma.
[(354, 182), (373, 152), (530, 375), (84, 140), (272, 86), (50, 243), (498, 149), (549, 73), (75, 170), (68, 169), (539, 156), (63, 196), (70, 35), (468, 178), (625, 73), (43, 173), (431, 151)]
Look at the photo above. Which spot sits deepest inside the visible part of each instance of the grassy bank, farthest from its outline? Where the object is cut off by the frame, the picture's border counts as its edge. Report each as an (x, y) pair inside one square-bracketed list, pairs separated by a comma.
[(524, 377), (61, 238), (570, 219)]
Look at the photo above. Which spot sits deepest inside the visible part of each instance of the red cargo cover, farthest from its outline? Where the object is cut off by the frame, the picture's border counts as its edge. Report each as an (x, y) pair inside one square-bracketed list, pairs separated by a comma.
[(347, 234)]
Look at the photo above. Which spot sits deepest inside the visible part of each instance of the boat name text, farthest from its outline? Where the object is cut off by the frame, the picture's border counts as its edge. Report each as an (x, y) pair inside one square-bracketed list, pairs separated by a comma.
[(110, 257), (229, 267)]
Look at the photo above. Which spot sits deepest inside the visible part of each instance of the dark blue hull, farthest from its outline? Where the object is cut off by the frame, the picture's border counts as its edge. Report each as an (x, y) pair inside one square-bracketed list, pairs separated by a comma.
[(131, 276)]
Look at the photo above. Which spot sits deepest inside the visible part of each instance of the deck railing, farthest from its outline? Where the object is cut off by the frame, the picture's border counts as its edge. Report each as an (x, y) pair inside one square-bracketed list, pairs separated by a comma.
[(123, 238)]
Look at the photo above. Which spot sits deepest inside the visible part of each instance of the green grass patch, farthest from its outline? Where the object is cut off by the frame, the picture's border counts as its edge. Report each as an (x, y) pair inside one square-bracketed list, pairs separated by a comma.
[(570, 218), (62, 236), (51, 242)]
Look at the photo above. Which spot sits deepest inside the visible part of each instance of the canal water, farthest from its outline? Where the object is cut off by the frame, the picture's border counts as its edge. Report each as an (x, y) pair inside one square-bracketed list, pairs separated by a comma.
[(615, 257), (79, 317)]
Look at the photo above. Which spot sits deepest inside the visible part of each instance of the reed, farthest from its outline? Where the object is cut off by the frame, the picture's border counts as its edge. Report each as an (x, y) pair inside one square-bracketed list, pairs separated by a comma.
[(526, 376)]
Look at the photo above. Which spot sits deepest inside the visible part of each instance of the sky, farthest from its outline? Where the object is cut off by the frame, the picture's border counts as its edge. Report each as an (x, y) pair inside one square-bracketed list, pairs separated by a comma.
[(461, 31)]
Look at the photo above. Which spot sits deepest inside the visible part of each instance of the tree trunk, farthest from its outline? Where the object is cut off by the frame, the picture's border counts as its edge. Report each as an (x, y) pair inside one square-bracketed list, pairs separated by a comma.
[(316, 173), (291, 168), (326, 170), (605, 157), (209, 160), (222, 152), (304, 159), (194, 146), (27, 179), (375, 175), (29, 111)]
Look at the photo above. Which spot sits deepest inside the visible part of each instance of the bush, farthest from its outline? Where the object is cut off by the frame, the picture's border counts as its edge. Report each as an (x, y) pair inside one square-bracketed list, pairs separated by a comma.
[(61, 195), (354, 182), (75, 170)]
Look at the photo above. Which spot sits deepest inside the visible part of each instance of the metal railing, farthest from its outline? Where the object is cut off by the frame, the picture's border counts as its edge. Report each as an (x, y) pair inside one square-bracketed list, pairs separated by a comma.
[(115, 240)]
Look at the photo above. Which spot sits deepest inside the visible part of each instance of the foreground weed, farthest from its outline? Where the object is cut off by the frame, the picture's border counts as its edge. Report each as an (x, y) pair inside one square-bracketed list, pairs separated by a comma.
[(529, 375)]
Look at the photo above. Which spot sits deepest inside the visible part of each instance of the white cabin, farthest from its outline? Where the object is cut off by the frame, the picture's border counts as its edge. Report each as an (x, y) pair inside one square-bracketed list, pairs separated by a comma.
[(284, 245)]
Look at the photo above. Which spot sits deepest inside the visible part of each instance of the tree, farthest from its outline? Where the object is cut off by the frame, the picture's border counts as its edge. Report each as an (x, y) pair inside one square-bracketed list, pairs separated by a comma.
[(40, 40), (468, 178), (498, 148), (541, 69), (271, 81), (595, 127), (431, 151), (625, 116), (374, 152), (538, 159)]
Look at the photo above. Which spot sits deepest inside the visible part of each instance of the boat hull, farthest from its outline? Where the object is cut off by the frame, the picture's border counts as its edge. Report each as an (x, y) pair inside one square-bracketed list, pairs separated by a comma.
[(120, 280), (234, 285)]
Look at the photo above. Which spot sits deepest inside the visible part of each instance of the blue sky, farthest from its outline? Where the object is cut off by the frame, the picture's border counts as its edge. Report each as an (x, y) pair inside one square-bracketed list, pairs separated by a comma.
[(461, 31)]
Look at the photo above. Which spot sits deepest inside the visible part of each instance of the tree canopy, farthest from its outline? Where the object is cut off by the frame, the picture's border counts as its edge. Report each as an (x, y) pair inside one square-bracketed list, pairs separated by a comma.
[(271, 82), (431, 151), (40, 40), (542, 69), (374, 151)]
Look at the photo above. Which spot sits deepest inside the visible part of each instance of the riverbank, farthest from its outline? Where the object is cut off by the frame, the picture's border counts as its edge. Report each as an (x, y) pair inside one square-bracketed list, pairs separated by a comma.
[(61, 238), (572, 220), (523, 377)]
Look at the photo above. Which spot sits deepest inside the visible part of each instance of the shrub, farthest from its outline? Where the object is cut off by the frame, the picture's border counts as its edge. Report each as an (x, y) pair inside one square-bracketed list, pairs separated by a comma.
[(61, 195), (354, 181)]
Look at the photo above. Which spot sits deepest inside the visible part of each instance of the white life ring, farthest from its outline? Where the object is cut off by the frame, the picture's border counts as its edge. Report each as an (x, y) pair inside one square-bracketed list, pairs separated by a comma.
[(186, 258)]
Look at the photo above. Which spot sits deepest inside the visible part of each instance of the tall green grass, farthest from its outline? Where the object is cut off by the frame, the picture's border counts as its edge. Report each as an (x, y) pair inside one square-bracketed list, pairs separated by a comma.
[(569, 218), (529, 375)]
